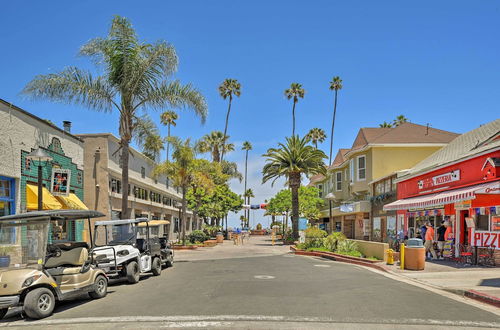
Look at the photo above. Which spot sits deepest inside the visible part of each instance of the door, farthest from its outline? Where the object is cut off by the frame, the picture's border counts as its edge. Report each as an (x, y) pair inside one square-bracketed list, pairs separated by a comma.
[(349, 228), (464, 233)]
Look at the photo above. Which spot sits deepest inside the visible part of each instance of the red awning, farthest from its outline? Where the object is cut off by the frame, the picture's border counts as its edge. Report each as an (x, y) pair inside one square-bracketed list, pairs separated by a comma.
[(445, 197)]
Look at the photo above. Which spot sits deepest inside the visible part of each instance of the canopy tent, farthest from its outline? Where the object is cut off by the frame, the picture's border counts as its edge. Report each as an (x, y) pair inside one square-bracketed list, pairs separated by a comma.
[(445, 197), (154, 223), (49, 202)]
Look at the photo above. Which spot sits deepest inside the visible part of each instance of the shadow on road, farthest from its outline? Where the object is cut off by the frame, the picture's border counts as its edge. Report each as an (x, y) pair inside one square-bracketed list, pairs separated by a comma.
[(494, 282)]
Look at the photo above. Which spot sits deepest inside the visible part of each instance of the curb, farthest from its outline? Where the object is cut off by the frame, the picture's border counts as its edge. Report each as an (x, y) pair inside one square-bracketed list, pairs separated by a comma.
[(472, 294)]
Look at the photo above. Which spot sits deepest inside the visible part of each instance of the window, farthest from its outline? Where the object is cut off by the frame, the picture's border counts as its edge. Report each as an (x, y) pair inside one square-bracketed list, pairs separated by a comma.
[(482, 222), (320, 187), (361, 168), (7, 196), (387, 184), (379, 188), (351, 170), (394, 184), (338, 183), (143, 172)]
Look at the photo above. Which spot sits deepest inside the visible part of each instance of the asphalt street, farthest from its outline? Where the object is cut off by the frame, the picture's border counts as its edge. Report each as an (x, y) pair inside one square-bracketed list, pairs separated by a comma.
[(277, 289)]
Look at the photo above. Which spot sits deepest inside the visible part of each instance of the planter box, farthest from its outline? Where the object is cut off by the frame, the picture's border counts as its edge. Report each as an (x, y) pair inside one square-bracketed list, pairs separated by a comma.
[(335, 256), (210, 243), (257, 232), (185, 247)]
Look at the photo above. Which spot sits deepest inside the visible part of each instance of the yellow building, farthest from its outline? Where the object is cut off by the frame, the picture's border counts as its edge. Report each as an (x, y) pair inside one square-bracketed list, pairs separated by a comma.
[(375, 153)]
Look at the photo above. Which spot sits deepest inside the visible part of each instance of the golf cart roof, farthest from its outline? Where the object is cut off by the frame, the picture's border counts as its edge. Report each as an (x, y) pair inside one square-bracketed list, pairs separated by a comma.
[(55, 215), (154, 223), (119, 222)]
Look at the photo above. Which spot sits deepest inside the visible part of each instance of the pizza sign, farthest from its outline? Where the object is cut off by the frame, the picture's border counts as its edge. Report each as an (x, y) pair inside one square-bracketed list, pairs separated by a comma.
[(439, 180), (486, 239)]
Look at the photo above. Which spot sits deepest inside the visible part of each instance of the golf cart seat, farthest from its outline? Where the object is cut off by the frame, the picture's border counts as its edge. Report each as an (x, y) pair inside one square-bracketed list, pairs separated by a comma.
[(141, 244), (69, 262)]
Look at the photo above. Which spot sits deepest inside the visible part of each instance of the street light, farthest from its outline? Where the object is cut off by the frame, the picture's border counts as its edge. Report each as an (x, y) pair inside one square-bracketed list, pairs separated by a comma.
[(330, 197), (39, 155)]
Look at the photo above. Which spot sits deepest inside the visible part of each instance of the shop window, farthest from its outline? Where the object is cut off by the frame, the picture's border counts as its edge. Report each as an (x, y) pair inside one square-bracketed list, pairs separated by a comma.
[(387, 185), (379, 188), (361, 168), (482, 222), (338, 181), (393, 184), (7, 196), (495, 222)]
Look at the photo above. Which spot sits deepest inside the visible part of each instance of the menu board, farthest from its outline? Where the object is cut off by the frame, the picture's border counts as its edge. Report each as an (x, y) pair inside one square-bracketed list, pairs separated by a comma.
[(495, 223), (447, 249)]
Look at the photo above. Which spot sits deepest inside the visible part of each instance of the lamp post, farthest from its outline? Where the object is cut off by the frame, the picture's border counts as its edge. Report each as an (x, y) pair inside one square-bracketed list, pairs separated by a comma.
[(330, 197), (41, 156)]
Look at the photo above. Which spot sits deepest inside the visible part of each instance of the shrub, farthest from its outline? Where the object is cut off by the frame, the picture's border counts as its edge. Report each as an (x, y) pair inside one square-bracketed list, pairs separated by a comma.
[(347, 246), (197, 236), (331, 241), (314, 237)]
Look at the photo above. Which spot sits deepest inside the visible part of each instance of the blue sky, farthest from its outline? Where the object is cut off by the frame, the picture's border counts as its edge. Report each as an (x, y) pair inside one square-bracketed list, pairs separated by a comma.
[(435, 62)]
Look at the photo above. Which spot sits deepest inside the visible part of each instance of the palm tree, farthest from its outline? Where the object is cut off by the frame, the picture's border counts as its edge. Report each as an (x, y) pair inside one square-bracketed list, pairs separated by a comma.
[(182, 171), (335, 85), (248, 194), (214, 143), (152, 147), (168, 119), (135, 75), (227, 89), (385, 125), (247, 146), (400, 120), (291, 160), (295, 91), (316, 135)]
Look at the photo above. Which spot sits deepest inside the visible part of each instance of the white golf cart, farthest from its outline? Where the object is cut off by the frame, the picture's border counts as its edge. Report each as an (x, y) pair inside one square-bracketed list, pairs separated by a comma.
[(124, 251)]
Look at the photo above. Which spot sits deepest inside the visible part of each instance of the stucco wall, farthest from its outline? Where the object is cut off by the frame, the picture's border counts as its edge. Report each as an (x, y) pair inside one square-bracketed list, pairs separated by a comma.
[(373, 249)]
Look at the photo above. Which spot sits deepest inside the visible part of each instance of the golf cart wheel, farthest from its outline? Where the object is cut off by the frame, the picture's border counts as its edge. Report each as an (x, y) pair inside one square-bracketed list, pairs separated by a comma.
[(3, 311), (156, 266), (39, 303), (101, 288), (133, 272)]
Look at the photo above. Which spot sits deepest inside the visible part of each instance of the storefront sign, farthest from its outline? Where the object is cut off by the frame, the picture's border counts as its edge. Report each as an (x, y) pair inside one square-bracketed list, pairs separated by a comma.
[(346, 208), (486, 239), (60, 182), (439, 180), (463, 204)]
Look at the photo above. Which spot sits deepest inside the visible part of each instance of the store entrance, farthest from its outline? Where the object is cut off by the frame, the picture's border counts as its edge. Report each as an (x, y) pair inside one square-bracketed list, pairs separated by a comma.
[(464, 234), (349, 228)]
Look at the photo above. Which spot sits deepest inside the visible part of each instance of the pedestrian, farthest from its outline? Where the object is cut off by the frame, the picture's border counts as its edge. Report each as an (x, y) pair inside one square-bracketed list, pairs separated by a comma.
[(448, 234), (429, 241), (423, 229), (441, 231)]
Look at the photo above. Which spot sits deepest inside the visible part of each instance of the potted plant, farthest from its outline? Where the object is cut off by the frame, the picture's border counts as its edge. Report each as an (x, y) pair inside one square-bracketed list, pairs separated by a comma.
[(4, 256)]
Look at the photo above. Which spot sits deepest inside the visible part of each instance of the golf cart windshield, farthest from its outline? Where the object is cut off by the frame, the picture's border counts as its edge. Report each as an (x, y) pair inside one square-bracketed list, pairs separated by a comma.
[(116, 234), (23, 243)]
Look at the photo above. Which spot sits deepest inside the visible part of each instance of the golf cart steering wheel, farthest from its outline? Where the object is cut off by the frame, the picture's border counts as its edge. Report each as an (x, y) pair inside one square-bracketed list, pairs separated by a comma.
[(54, 251)]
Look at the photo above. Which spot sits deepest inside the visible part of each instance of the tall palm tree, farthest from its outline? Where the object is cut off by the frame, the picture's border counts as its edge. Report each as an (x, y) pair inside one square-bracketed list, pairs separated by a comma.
[(400, 120), (214, 143), (134, 75), (168, 118), (335, 85), (248, 194), (294, 92), (227, 89), (182, 171), (385, 125), (247, 146), (152, 147), (316, 135), (291, 160)]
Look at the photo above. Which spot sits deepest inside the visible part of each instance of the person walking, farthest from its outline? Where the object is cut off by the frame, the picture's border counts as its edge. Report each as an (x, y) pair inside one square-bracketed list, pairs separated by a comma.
[(441, 231), (429, 241)]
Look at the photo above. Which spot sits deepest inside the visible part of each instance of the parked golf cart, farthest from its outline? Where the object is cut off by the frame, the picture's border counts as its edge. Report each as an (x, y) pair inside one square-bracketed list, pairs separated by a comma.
[(158, 232), (37, 271), (123, 251)]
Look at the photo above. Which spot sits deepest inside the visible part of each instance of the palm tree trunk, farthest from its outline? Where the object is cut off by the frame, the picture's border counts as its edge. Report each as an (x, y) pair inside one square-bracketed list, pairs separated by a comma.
[(225, 128), (333, 125), (246, 167), (168, 141), (126, 130), (294, 186), (316, 144), (183, 217), (293, 117)]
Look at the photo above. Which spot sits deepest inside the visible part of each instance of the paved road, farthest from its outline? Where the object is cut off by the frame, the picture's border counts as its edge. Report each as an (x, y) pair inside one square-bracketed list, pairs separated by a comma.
[(275, 290)]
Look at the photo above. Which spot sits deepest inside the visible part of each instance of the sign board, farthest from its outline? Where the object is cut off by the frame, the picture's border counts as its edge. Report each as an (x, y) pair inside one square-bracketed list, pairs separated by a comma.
[(493, 188), (486, 239), (346, 208), (60, 182), (495, 222), (439, 180), (302, 223), (470, 222), (463, 205), (447, 249)]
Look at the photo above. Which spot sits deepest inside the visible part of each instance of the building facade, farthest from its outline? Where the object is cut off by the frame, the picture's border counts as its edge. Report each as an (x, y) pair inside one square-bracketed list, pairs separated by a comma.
[(375, 154), (154, 198), (459, 184), (21, 133)]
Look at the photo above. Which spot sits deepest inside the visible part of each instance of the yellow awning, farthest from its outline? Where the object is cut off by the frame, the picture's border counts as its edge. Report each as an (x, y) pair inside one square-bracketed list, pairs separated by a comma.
[(72, 202), (49, 202), (154, 223)]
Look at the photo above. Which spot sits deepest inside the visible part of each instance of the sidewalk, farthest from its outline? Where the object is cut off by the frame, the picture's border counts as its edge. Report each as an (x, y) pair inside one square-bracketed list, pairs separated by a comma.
[(474, 282)]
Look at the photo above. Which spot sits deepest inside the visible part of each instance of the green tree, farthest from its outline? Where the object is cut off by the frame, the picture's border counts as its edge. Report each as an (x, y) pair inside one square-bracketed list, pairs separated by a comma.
[(294, 92), (248, 196), (147, 137), (309, 203), (399, 120), (335, 85), (385, 125), (134, 75), (168, 118), (291, 160), (182, 171), (214, 143), (316, 135), (227, 89), (247, 146)]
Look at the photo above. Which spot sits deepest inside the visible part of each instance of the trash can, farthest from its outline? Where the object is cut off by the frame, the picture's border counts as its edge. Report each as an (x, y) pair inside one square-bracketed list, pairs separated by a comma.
[(220, 237), (415, 254)]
